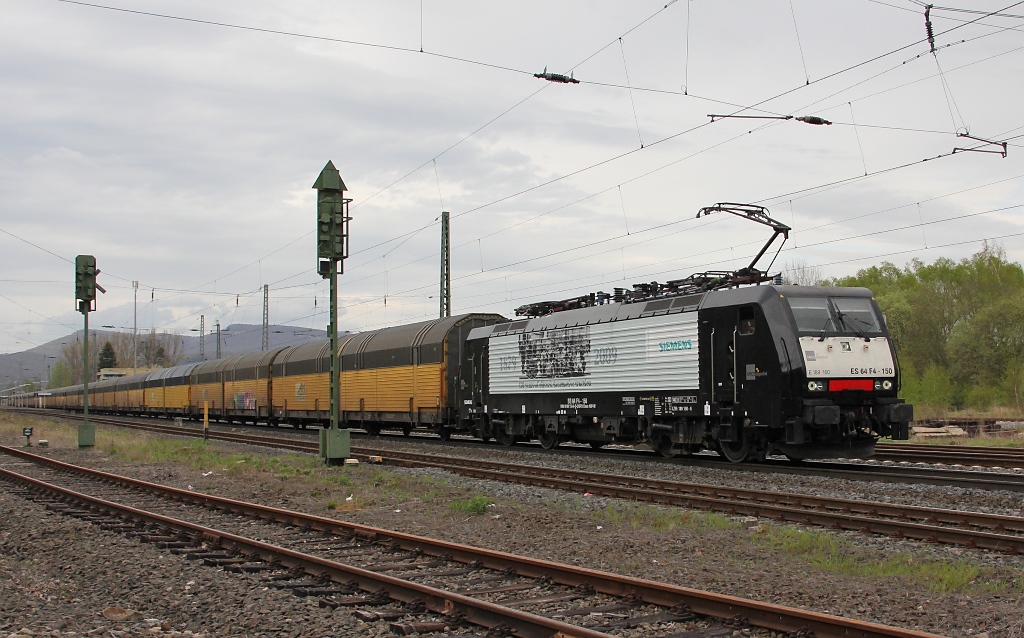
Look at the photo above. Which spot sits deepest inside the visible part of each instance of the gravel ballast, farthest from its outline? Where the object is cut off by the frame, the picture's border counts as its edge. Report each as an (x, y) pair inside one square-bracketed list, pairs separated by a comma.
[(58, 575)]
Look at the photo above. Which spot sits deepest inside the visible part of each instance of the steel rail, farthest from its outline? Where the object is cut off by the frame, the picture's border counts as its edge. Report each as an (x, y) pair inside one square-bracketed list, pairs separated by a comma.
[(834, 513), (662, 486), (952, 454), (981, 480), (969, 479), (987, 449), (775, 617), (823, 511)]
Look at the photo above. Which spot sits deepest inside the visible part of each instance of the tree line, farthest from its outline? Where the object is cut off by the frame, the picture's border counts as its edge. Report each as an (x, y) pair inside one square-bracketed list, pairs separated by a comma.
[(155, 350), (958, 327)]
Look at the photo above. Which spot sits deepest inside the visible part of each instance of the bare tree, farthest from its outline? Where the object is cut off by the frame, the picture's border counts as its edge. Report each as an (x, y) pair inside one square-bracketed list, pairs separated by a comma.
[(160, 350), (71, 356), (800, 272), (122, 343)]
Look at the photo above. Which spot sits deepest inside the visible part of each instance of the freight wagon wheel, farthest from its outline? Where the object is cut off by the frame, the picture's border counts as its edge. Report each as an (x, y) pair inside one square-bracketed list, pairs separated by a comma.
[(445, 434), (736, 452), (548, 440), (597, 445), (406, 430)]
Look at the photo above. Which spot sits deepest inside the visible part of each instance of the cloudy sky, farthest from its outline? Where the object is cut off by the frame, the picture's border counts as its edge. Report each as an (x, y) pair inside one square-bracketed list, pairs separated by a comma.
[(177, 142)]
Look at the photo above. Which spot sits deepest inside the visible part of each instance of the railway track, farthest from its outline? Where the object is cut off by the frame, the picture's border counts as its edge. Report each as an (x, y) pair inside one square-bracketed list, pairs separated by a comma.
[(951, 455), (970, 529), (420, 585), (854, 471)]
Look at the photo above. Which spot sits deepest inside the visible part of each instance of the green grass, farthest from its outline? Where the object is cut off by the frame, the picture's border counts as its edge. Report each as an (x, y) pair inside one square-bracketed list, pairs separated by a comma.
[(984, 441), (646, 516), (368, 485), (475, 505), (833, 553)]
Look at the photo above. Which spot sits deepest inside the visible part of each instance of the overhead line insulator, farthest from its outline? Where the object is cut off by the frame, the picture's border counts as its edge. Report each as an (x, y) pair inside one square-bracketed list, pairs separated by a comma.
[(556, 77)]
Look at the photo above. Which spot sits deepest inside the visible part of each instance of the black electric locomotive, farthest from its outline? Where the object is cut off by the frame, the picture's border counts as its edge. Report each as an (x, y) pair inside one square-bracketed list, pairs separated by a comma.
[(698, 363), (808, 372)]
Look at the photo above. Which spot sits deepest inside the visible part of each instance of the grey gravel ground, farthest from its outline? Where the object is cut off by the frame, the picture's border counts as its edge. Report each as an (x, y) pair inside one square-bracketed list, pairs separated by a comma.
[(57, 574)]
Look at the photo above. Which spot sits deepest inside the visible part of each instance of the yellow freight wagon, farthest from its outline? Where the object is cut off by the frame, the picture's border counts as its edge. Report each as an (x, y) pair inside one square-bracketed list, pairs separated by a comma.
[(207, 380), (103, 395), (299, 386), (403, 376), (130, 393), (247, 386), (167, 391)]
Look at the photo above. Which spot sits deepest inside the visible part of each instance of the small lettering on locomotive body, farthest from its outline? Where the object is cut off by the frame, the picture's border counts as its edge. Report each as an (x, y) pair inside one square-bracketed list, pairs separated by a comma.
[(577, 403), (679, 344)]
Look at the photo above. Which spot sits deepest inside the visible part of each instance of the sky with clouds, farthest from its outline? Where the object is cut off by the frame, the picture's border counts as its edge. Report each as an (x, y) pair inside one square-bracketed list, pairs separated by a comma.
[(177, 142)]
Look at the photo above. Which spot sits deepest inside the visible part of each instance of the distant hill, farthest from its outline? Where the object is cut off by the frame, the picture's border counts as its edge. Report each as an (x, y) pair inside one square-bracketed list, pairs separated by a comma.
[(239, 338)]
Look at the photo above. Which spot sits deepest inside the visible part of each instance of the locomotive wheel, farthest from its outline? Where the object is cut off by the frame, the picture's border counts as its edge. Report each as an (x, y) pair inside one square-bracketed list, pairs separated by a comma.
[(663, 446), (548, 440), (597, 445), (735, 452), (504, 438)]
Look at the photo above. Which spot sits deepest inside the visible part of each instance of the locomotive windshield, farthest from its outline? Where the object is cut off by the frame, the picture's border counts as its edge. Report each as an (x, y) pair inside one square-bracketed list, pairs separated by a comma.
[(831, 315)]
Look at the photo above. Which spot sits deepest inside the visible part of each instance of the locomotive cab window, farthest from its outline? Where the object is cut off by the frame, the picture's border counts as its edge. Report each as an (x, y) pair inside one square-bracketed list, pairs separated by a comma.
[(746, 320), (835, 315), (812, 314), (856, 315)]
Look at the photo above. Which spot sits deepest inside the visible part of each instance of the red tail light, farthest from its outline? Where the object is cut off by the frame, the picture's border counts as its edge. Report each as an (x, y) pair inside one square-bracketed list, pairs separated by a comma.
[(838, 385)]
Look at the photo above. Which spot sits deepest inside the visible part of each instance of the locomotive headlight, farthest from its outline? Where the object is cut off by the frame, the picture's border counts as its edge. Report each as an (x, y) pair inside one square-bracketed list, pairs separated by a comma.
[(815, 386), (887, 385)]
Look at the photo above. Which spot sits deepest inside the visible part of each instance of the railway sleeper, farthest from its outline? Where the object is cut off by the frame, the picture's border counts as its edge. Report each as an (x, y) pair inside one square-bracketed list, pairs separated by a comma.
[(378, 598), (415, 628), (631, 623), (249, 568), (415, 607), (628, 604)]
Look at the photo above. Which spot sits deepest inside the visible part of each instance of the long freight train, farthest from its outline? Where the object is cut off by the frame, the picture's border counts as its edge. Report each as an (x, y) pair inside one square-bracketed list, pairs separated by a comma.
[(808, 372)]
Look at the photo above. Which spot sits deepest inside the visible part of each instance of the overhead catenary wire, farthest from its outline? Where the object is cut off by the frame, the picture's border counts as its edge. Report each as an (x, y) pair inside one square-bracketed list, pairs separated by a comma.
[(625, 67), (433, 159), (856, 133), (293, 34), (761, 102), (805, 192), (215, 293), (666, 6), (800, 46)]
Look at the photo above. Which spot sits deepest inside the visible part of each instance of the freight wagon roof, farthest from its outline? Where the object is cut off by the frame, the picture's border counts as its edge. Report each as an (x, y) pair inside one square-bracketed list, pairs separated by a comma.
[(308, 350), (254, 359), (420, 342), (177, 371), (414, 334), (132, 381), (214, 365)]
